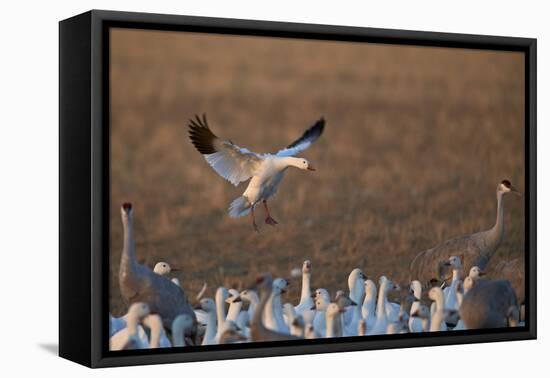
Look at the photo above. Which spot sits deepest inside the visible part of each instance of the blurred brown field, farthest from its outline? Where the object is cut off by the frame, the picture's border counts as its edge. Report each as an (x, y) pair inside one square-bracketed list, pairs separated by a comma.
[(416, 140)]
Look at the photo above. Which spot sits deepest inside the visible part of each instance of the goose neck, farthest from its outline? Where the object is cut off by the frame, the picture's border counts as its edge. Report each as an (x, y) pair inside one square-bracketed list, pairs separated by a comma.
[(211, 327), (220, 311), (381, 303), (306, 287)]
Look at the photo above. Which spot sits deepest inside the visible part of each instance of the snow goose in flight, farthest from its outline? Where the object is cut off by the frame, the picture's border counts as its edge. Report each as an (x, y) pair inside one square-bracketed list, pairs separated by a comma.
[(237, 164)]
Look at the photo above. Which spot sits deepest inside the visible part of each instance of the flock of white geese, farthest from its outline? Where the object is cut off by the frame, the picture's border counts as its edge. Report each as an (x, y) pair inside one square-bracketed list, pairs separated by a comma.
[(160, 314)]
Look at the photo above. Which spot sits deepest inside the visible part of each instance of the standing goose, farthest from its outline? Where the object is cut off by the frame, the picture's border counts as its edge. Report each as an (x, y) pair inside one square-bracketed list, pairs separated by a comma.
[(273, 316), (208, 306), (221, 296), (477, 248), (237, 165), (381, 324), (322, 300), (235, 304), (251, 297), (450, 292), (258, 332), (369, 304), (140, 284), (415, 322), (306, 302)]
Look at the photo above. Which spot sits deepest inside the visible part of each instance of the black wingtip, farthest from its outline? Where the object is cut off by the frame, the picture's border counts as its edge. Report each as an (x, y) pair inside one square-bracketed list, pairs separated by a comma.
[(201, 136), (312, 133)]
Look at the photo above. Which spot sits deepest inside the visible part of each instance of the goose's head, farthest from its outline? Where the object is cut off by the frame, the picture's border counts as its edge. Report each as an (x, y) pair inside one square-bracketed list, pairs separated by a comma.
[(208, 305), (387, 284), (321, 293), (343, 301), (249, 295), (506, 187), (370, 288), (126, 211), (454, 262), (234, 296), (163, 268), (435, 293), (306, 267), (305, 164), (476, 272), (333, 309), (221, 294), (416, 289), (356, 278), (280, 286), (300, 163), (321, 301)]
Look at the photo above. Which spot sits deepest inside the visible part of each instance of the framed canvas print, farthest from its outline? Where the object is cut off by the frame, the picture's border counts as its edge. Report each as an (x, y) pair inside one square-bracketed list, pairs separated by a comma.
[(234, 188)]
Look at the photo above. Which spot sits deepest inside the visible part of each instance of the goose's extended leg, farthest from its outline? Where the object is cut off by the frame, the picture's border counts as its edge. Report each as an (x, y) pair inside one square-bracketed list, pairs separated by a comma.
[(254, 220), (268, 219)]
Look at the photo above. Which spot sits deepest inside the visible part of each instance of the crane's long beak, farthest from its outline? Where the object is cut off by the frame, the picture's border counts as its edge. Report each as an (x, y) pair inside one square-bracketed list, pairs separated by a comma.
[(515, 191), (310, 168)]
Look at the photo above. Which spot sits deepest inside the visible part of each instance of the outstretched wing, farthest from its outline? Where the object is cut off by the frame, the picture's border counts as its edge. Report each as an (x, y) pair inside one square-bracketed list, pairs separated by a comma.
[(230, 161), (302, 143)]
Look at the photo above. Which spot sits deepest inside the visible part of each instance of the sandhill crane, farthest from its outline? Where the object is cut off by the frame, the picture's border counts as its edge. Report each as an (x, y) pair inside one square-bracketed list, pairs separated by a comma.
[(487, 304), (513, 271), (477, 248), (258, 332), (140, 284), (236, 164)]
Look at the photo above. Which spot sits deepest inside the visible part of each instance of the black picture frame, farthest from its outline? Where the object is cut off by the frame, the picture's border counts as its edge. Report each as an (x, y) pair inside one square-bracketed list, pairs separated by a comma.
[(84, 185)]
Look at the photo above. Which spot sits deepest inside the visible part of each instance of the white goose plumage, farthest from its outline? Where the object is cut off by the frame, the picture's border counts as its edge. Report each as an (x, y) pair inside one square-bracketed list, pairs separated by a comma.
[(237, 164)]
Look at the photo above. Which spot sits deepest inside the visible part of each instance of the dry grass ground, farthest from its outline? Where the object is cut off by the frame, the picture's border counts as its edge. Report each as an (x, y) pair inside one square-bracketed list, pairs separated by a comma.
[(416, 140)]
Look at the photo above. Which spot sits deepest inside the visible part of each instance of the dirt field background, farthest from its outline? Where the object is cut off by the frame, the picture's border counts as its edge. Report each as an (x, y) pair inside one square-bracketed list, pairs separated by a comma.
[(416, 141)]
